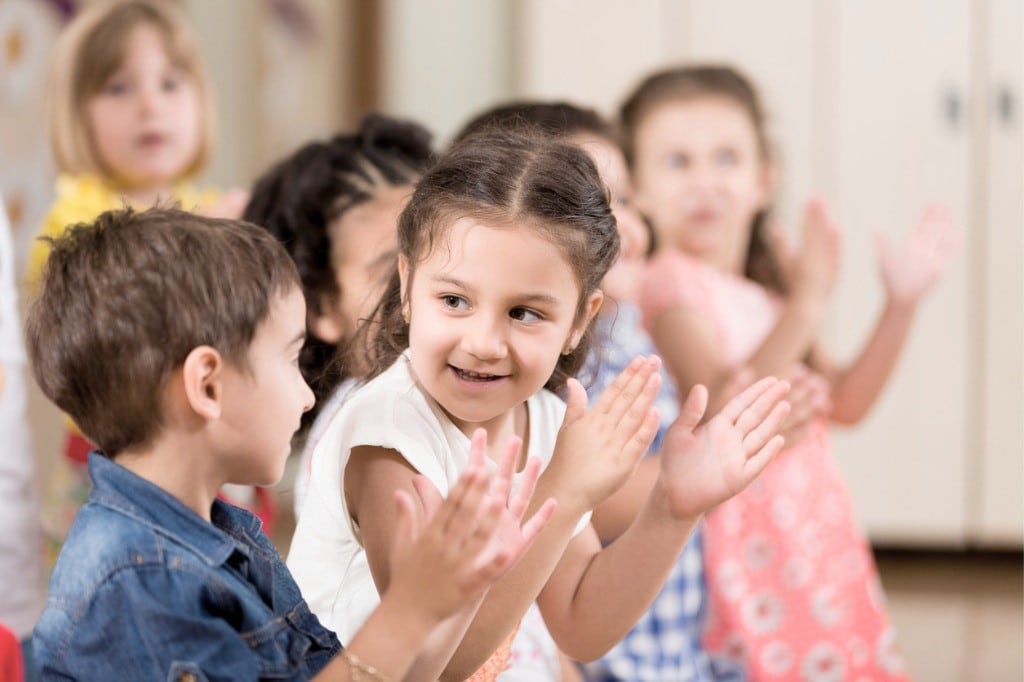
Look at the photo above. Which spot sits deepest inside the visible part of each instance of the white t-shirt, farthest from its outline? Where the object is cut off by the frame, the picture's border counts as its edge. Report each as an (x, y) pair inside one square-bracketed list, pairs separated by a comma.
[(21, 539), (316, 432), (391, 411)]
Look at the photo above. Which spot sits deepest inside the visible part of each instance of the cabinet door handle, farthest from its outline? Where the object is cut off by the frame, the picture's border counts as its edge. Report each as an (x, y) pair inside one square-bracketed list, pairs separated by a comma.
[(952, 107), (1006, 105)]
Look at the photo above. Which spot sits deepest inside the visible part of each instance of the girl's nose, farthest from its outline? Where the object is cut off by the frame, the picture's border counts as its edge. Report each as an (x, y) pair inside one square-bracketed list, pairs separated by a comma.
[(484, 337)]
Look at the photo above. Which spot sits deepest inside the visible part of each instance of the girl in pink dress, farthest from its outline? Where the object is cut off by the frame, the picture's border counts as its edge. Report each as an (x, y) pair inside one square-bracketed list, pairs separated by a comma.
[(794, 592)]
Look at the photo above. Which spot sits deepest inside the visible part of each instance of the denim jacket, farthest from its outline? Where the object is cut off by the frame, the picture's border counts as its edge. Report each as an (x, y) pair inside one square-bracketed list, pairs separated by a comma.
[(145, 589)]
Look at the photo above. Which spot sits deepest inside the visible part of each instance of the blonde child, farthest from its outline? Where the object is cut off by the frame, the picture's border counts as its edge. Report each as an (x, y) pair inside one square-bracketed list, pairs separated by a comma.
[(334, 204), (131, 122), (793, 588), (189, 380), (489, 310)]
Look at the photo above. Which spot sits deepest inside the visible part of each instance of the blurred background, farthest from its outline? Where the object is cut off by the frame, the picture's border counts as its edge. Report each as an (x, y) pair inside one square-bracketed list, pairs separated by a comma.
[(878, 106)]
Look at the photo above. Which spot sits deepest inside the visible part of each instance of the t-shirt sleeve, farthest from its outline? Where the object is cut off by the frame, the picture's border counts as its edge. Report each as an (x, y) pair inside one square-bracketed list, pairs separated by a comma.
[(673, 281)]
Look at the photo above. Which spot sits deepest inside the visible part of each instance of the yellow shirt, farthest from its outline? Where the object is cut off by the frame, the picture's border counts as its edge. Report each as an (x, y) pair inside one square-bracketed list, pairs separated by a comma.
[(80, 199)]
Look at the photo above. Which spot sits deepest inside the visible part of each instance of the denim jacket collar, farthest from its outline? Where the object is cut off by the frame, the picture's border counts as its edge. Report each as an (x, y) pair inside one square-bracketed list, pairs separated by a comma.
[(118, 488)]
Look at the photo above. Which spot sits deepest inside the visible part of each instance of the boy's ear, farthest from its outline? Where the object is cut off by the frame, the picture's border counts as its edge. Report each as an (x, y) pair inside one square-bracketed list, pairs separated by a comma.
[(592, 305), (202, 373)]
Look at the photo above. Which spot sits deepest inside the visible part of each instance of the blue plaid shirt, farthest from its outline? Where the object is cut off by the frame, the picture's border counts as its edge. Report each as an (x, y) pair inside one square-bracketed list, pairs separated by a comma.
[(665, 644)]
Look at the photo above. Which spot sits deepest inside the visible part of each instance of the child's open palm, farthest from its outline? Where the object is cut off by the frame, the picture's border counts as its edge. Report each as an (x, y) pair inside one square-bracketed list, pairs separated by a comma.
[(598, 449), (450, 552), (704, 466), (910, 272)]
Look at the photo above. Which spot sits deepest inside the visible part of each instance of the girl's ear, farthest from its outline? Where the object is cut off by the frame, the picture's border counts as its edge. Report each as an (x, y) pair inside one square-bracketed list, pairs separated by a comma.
[(202, 375), (403, 279), (590, 309), (328, 326)]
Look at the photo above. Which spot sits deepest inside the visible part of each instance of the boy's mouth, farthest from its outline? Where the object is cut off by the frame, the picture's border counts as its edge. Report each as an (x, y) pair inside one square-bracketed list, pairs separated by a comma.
[(467, 375)]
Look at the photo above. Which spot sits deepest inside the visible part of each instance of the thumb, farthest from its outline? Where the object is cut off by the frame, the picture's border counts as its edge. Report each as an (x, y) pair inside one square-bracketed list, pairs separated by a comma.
[(692, 410), (576, 402), (407, 526)]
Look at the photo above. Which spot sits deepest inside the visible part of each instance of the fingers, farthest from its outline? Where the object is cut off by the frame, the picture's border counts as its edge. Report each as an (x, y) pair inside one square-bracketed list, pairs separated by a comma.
[(429, 497), (524, 492), (636, 371), (576, 402), (756, 464), (692, 409), (535, 524), (735, 407), (477, 449), (502, 482), (761, 408), (766, 429), (630, 406), (457, 514), (408, 526)]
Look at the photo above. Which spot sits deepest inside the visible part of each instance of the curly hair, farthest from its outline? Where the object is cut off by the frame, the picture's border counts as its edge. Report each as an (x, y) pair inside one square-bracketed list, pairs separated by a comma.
[(301, 196)]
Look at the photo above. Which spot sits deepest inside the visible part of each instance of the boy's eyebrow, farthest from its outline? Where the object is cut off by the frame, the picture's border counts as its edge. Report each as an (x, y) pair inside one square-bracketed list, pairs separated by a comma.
[(526, 298)]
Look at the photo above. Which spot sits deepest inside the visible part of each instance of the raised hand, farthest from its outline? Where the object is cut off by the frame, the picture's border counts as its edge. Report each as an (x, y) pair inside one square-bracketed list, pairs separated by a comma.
[(909, 273), (704, 466), (809, 397), (598, 449), (814, 269), (447, 554)]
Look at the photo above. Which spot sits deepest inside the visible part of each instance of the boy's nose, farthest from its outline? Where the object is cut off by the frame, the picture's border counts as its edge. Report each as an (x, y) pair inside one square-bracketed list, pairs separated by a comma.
[(308, 398)]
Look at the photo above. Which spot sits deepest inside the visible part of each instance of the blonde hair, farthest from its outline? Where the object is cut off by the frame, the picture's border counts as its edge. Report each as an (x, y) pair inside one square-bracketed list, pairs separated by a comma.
[(90, 50)]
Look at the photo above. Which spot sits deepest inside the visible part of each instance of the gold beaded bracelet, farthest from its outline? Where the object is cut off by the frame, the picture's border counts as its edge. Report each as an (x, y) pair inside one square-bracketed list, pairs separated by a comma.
[(360, 669)]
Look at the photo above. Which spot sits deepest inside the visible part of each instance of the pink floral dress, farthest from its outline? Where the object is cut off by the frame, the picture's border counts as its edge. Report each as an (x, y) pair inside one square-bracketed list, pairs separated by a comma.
[(793, 589)]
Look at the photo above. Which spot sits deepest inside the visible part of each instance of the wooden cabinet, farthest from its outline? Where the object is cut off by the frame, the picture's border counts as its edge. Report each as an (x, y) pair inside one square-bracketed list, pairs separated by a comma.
[(882, 107)]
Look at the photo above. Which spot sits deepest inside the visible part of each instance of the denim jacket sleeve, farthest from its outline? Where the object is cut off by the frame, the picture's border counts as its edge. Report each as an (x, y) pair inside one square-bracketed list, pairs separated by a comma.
[(156, 622)]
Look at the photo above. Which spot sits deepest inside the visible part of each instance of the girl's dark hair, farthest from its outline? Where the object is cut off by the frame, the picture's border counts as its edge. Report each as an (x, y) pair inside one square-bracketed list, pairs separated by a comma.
[(504, 178), (697, 82), (299, 198), (558, 119)]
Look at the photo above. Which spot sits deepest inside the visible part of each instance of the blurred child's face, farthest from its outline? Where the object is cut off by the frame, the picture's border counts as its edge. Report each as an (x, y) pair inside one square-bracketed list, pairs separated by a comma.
[(264, 402), (620, 284), (492, 308), (700, 176), (363, 241), (145, 121)]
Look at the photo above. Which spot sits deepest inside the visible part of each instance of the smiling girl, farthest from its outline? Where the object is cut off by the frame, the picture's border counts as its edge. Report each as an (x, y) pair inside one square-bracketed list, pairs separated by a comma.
[(487, 314)]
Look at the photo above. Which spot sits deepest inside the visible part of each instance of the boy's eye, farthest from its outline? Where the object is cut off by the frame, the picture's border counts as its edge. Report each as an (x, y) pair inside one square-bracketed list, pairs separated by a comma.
[(524, 315), (454, 302)]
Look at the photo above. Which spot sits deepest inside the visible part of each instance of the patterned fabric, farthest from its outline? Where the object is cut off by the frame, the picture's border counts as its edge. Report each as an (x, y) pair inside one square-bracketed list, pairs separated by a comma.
[(793, 589), (665, 644), (497, 663)]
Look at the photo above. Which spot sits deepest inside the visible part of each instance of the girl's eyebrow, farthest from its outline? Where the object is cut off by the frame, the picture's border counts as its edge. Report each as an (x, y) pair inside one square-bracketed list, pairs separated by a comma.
[(535, 298)]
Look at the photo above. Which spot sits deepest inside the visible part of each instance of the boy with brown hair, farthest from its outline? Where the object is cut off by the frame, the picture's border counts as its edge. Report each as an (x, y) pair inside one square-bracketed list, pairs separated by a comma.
[(172, 340)]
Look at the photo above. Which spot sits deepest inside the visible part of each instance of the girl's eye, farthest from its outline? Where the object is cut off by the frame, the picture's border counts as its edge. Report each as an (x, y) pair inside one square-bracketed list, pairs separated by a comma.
[(115, 88), (523, 315), (170, 84), (677, 160), (454, 302), (726, 157)]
